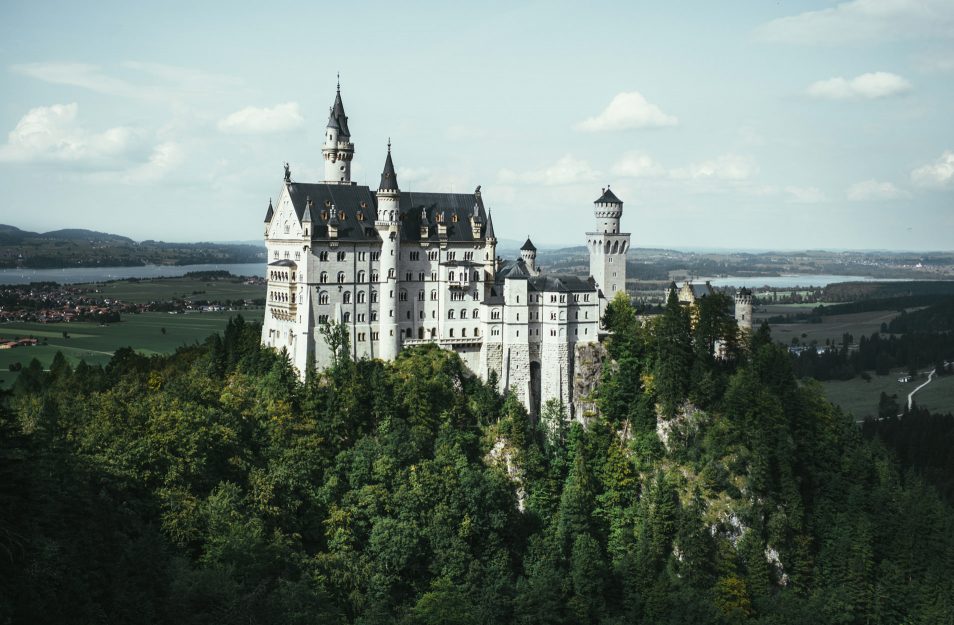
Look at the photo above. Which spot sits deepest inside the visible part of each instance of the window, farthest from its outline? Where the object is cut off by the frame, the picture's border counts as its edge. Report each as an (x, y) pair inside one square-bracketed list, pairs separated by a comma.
[(347, 297), (341, 277), (361, 317), (451, 276), (391, 273), (362, 255), (342, 256), (407, 314), (361, 337), (323, 278), (322, 318), (323, 297), (361, 297), (297, 255), (451, 255), (415, 256), (361, 276), (450, 314), (420, 314), (476, 313), (375, 255), (402, 295), (468, 256), (463, 313), (450, 333), (408, 276), (420, 276), (463, 332), (432, 255), (323, 256), (275, 255), (495, 314), (374, 296), (346, 318), (433, 295), (434, 276), (374, 315), (420, 296), (476, 331), (476, 276), (374, 276)]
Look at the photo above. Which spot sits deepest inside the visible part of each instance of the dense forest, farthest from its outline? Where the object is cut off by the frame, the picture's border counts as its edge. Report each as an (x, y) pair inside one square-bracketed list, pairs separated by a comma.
[(212, 486)]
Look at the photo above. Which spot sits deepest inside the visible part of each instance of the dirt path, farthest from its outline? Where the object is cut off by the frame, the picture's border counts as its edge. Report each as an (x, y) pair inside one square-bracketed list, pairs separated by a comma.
[(911, 394)]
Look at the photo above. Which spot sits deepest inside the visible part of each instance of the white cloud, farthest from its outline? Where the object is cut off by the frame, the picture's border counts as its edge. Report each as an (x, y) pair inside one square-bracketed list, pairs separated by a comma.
[(567, 170), (51, 134), (873, 190), (165, 157), (725, 167), (638, 165), (870, 86), (864, 20), (254, 121), (938, 175), (805, 195), (628, 110)]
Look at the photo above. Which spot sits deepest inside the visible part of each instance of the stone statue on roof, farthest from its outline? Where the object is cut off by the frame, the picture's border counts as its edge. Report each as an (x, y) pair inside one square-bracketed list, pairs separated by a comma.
[(287, 172)]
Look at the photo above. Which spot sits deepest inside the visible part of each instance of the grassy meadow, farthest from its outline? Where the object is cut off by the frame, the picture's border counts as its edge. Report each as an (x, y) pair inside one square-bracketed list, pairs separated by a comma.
[(167, 289), (95, 343)]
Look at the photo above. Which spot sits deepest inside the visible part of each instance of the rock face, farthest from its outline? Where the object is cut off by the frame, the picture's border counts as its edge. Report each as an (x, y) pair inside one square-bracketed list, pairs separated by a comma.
[(501, 454), (586, 376)]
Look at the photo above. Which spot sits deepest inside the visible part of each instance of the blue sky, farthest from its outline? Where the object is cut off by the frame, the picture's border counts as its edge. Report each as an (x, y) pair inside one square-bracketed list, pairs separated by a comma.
[(739, 125)]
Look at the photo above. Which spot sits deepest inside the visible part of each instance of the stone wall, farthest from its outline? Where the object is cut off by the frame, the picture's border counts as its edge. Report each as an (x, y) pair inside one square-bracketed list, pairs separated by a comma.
[(589, 359)]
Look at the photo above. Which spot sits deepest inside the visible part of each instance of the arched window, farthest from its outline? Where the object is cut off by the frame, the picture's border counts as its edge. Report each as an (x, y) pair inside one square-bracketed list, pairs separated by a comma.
[(323, 297), (346, 318), (450, 333), (361, 276), (476, 276), (374, 297), (341, 277), (450, 313), (451, 276), (346, 297), (402, 295), (463, 332), (476, 313), (476, 331), (420, 333), (374, 276), (408, 333), (323, 278), (463, 313), (361, 297), (434, 295)]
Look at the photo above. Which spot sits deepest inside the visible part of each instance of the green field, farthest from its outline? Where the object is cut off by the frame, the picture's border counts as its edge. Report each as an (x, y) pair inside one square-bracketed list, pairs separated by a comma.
[(833, 327), (860, 398), (167, 289), (95, 343)]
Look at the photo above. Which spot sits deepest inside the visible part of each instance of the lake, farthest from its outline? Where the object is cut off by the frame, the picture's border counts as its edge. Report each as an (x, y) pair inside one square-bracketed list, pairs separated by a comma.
[(75, 275)]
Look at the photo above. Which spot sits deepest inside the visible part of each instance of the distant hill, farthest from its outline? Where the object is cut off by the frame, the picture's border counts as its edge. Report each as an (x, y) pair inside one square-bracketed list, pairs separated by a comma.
[(77, 247)]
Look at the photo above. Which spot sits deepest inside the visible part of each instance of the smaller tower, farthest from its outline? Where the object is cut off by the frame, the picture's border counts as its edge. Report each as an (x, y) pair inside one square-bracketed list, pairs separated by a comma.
[(743, 309), (608, 247), (388, 225), (337, 150), (529, 255)]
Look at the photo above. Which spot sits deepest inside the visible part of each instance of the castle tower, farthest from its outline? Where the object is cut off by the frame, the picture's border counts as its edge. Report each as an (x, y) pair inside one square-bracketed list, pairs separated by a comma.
[(338, 149), (743, 309), (608, 246), (388, 225), (529, 255)]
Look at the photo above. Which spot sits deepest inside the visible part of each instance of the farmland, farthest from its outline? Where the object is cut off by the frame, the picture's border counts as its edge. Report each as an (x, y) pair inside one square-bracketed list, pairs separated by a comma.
[(148, 333)]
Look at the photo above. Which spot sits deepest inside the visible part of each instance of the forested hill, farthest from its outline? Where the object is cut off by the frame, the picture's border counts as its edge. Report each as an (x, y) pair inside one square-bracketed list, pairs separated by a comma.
[(88, 248), (212, 486)]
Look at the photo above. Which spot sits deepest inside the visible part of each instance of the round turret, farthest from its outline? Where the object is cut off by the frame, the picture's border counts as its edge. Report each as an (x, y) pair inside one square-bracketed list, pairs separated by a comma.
[(529, 255), (608, 209), (743, 309)]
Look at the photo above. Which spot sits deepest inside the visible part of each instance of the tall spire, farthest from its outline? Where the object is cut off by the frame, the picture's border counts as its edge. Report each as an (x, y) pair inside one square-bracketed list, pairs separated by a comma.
[(337, 118), (388, 176), (489, 233)]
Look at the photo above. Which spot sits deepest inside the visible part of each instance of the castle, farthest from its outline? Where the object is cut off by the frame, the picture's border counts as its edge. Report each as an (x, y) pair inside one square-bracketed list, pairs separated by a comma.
[(402, 268)]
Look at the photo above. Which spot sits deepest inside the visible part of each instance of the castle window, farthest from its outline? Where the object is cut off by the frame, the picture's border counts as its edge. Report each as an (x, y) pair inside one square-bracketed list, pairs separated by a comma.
[(407, 314), (324, 215), (374, 315), (322, 319), (323, 256), (463, 313), (563, 299), (275, 255), (476, 313), (434, 295), (323, 278), (341, 277), (375, 256), (495, 314), (327, 202), (360, 216), (323, 297), (342, 256), (450, 314), (476, 331), (361, 297), (375, 336), (374, 276), (361, 336), (420, 276), (415, 256), (361, 276), (362, 256), (346, 318), (553, 316), (346, 298), (476, 276), (408, 276), (402, 295), (451, 276), (360, 317), (390, 273), (463, 332), (454, 218), (408, 333), (297, 255), (468, 256), (434, 276), (451, 333), (420, 314), (420, 296)]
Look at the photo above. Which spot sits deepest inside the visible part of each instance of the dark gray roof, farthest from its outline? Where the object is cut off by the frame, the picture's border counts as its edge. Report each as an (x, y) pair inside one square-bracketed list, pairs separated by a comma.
[(353, 201), (608, 197), (285, 262), (337, 118), (388, 176), (528, 246), (489, 231), (513, 269), (561, 283), (270, 212)]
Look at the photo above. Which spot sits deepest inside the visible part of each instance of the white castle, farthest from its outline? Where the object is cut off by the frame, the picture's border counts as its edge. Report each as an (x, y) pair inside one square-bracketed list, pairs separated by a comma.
[(403, 268)]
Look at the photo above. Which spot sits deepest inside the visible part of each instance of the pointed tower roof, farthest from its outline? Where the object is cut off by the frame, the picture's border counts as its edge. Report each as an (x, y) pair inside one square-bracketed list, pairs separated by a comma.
[(306, 215), (489, 232), (388, 176), (337, 119), (608, 197), (270, 212), (528, 246)]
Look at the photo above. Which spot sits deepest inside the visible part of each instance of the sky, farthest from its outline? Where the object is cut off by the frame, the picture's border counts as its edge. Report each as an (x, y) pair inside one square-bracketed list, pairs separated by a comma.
[(738, 125)]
